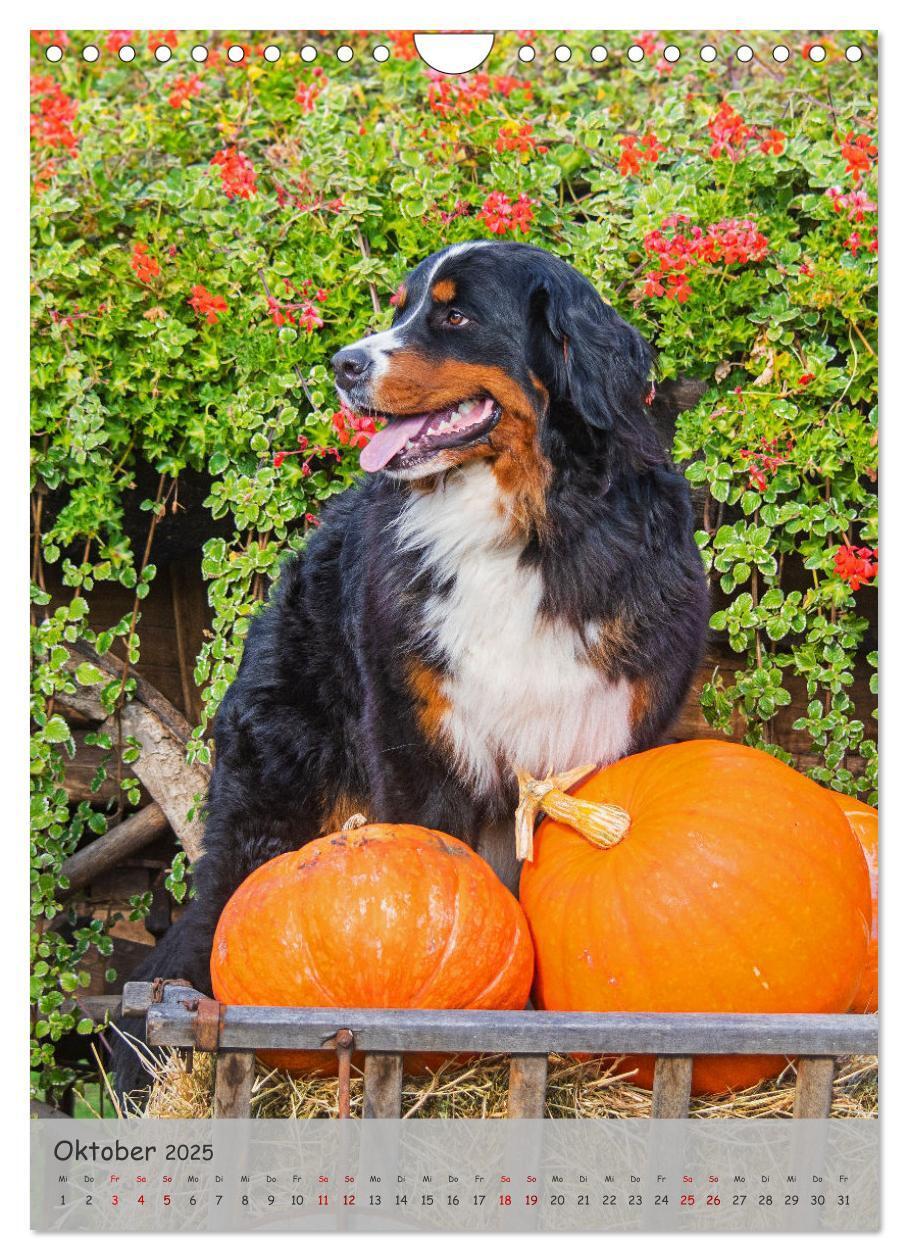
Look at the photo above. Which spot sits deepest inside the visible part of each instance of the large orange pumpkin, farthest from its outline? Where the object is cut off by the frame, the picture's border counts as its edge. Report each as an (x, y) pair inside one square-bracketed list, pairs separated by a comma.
[(738, 886), (864, 823), (380, 916)]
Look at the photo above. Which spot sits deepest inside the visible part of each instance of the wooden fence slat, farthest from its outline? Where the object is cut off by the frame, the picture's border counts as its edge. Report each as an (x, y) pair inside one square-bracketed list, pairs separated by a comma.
[(671, 1086), (382, 1083), (234, 1073), (526, 1086), (813, 1092), (520, 1032)]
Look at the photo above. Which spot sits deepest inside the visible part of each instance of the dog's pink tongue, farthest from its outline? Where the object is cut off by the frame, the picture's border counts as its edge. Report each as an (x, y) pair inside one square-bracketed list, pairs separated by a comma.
[(389, 441)]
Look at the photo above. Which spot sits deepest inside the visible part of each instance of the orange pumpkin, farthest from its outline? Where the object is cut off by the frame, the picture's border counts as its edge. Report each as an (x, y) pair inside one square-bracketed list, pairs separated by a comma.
[(864, 821), (381, 916), (737, 886)]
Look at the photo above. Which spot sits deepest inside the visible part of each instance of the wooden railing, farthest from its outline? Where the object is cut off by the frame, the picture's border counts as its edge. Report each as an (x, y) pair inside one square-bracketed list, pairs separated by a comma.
[(177, 1015)]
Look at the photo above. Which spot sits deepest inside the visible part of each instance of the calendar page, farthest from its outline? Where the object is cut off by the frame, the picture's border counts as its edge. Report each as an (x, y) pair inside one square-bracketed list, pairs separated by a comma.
[(454, 630)]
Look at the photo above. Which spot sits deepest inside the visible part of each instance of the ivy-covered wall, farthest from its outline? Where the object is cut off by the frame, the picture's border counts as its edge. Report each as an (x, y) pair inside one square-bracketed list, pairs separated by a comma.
[(206, 234)]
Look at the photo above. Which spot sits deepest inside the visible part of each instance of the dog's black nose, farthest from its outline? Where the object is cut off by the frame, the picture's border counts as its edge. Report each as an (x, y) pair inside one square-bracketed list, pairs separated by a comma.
[(350, 366)]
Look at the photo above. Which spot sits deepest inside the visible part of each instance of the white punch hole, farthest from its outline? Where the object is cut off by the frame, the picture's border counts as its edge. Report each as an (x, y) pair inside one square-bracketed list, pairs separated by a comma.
[(199, 53), (708, 53), (54, 52), (272, 53), (456, 53), (635, 53)]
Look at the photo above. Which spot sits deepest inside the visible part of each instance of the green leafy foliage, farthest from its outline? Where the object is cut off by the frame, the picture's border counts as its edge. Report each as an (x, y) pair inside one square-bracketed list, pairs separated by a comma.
[(206, 236)]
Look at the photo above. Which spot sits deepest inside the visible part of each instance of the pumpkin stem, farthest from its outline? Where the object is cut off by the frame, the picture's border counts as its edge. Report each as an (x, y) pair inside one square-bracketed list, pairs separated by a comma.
[(602, 825), (355, 821)]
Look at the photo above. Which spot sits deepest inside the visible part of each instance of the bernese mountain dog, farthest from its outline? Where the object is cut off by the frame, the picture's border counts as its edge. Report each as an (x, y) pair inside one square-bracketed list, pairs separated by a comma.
[(514, 582)]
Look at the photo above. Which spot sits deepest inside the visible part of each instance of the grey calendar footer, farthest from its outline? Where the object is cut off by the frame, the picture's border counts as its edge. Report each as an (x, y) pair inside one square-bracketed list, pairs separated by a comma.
[(508, 1175)]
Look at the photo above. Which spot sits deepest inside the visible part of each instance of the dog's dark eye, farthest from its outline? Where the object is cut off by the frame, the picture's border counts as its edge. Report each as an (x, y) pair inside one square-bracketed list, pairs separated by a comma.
[(456, 319)]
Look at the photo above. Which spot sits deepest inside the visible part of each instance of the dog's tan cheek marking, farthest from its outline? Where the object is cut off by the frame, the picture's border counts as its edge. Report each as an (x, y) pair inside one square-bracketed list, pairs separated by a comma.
[(414, 383), (444, 291)]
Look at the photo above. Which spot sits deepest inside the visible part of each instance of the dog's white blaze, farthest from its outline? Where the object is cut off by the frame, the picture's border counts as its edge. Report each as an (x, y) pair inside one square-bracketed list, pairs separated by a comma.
[(522, 691), (390, 339)]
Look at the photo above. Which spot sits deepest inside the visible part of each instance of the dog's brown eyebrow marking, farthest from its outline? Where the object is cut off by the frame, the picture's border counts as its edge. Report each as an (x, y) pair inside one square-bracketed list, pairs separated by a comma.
[(444, 290)]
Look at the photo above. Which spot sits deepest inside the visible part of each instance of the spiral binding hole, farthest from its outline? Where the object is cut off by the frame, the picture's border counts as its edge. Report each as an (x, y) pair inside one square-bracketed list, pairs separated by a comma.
[(526, 53), (345, 53), (272, 53), (235, 53), (817, 53), (781, 53), (162, 53), (90, 53), (745, 53), (199, 53), (308, 53), (127, 53), (562, 53), (671, 53), (854, 52), (635, 53), (708, 53), (599, 53), (53, 52), (381, 52)]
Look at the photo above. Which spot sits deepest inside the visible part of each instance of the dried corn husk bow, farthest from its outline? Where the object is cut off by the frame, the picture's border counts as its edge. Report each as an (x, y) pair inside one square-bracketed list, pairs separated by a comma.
[(601, 824)]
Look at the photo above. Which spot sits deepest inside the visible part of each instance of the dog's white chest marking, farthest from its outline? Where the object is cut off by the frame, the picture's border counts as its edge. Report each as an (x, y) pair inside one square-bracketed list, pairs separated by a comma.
[(521, 690)]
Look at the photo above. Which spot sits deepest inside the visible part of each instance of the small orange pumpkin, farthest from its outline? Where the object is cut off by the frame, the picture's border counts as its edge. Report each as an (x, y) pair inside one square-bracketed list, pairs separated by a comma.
[(864, 821), (378, 916), (729, 883)]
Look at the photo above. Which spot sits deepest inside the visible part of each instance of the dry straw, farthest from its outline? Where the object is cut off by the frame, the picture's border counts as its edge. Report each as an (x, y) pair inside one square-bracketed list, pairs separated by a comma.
[(591, 1090)]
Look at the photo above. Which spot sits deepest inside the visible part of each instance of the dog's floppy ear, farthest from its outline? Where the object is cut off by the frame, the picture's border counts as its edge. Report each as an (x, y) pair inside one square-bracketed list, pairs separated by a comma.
[(589, 355)]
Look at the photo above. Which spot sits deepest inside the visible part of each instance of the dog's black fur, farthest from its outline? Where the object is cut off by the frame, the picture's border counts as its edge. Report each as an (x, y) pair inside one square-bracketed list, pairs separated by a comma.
[(322, 718)]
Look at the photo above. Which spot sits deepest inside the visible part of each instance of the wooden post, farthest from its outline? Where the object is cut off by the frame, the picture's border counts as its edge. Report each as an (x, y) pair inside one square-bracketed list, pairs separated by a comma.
[(526, 1086), (813, 1092), (382, 1083), (234, 1072), (671, 1086), (121, 842)]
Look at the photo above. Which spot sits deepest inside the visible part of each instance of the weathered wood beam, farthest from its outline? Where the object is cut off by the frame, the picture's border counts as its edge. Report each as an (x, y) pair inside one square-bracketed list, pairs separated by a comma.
[(520, 1032), (121, 842), (527, 1080), (234, 1076), (162, 734), (382, 1084), (813, 1091), (671, 1086)]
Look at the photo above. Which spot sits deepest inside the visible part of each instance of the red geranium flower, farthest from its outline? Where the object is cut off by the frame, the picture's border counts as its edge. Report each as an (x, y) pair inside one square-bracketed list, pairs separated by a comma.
[(206, 304), (142, 263), (237, 173), (856, 565)]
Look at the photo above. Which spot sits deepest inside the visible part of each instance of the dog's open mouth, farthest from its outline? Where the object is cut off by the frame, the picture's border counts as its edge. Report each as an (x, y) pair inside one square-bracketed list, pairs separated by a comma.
[(407, 441)]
